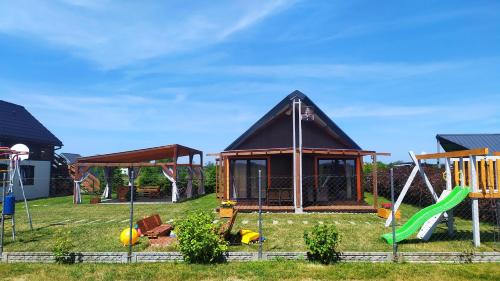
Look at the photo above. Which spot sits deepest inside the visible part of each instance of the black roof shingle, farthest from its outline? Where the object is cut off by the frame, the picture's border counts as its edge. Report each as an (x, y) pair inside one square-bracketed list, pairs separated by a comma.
[(453, 142), (18, 124), (279, 107)]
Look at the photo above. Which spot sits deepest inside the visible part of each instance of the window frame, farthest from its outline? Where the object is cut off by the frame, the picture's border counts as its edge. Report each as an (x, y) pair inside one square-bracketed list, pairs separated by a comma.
[(27, 181), (357, 162), (248, 158)]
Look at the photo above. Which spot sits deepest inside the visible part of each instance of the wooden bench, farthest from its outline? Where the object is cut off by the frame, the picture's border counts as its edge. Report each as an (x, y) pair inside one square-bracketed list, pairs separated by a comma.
[(225, 229), (152, 227), (149, 191)]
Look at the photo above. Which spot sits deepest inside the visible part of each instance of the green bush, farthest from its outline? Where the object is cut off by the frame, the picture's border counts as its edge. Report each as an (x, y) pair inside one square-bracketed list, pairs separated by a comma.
[(63, 247), (199, 241), (210, 175), (322, 242)]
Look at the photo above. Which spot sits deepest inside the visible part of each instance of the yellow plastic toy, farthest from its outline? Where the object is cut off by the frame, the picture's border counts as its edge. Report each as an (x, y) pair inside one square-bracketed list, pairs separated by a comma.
[(248, 236), (125, 236)]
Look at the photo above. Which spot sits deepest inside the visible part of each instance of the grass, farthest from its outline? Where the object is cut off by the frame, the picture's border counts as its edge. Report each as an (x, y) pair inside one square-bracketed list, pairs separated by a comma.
[(97, 227), (274, 270)]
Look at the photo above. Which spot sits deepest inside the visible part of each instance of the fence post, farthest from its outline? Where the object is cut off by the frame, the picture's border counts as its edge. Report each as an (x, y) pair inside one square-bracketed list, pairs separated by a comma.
[(129, 258), (393, 220), (260, 214)]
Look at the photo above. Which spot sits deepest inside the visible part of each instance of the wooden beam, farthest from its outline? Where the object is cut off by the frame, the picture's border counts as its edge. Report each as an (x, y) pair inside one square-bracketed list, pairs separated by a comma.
[(226, 184), (461, 153), (496, 153), (480, 195), (358, 179), (124, 165), (374, 181)]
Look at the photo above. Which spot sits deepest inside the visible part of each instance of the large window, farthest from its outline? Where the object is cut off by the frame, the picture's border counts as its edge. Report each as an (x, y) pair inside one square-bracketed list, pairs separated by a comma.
[(28, 174), (336, 180), (245, 178)]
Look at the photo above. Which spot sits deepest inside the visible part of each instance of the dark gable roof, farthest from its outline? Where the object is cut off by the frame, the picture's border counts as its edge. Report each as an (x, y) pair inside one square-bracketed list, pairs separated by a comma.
[(17, 124), (70, 157), (275, 111), (453, 142)]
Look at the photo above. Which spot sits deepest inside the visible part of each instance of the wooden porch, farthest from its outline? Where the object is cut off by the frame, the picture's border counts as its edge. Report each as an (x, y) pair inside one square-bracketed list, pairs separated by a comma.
[(340, 208)]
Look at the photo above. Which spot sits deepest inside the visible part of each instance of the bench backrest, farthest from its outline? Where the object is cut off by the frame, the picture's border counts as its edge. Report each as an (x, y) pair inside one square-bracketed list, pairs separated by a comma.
[(225, 229), (149, 223)]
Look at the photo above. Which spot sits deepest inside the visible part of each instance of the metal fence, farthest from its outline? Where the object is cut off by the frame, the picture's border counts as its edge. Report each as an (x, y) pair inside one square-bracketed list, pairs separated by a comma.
[(420, 224), (344, 201)]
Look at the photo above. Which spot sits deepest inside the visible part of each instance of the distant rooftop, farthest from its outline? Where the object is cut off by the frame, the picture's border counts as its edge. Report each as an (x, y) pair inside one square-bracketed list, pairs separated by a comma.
[(17, 124), (70, 157), (454, 142)]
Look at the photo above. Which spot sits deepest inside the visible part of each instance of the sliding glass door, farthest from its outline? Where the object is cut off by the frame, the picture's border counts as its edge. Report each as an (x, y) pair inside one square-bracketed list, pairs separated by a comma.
[(244, 180), (336, 180)]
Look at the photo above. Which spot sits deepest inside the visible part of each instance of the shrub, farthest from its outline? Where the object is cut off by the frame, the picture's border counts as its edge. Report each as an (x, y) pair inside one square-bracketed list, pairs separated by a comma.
[(322, 242), (210, 177), (199, 241), (63, 247)]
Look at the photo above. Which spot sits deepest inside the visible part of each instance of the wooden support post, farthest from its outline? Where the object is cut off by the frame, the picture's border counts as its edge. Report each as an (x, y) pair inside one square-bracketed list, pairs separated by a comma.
[(227, 183), (475, 204), (451, 220), (467, 173), (497, 175), (456, 172), (491, 180), (358, 179), (375, 181), (483, 175)]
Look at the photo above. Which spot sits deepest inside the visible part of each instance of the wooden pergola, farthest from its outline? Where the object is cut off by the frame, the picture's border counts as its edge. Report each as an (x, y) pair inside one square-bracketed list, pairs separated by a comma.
[(135, 159), (223, 172)]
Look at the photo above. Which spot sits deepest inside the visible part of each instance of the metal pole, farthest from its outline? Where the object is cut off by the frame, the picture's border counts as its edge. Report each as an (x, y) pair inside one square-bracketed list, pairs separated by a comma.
[(18, 167), (260, 214), (393, 219), (300, 153), (294, 158), (131, 215), (3, 216)]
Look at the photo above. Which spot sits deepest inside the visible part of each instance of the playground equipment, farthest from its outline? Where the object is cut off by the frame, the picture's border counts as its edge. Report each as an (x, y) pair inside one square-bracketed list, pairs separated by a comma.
[(248, 236), (125, 236), (425, 215), (464, 165), (12, 157)]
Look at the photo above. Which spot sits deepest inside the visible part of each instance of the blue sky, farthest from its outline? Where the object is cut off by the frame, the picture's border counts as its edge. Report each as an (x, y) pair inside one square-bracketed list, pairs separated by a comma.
[(108, 75)]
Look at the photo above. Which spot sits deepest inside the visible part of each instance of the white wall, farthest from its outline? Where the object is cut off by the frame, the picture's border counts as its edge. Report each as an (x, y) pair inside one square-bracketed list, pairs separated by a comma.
[(41, 187)]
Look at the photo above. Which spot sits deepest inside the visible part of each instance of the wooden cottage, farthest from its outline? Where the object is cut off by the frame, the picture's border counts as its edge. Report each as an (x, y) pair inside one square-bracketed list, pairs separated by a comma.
[(305, 161)]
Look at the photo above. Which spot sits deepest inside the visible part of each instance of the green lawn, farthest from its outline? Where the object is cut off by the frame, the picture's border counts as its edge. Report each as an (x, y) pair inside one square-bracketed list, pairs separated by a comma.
[(97, 227), (277, 270)]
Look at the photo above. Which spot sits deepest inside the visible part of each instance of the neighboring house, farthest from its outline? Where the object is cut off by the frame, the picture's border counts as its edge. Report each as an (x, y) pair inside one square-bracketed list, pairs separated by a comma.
[(326, 176), (17, 125), (454, 142)]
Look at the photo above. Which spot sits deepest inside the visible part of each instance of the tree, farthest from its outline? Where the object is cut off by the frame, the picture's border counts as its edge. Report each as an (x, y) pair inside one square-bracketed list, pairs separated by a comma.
[(210, 177)]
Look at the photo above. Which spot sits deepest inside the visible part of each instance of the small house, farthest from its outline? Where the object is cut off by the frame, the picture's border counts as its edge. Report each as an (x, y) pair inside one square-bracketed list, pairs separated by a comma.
[(300, 158), (17, 125)]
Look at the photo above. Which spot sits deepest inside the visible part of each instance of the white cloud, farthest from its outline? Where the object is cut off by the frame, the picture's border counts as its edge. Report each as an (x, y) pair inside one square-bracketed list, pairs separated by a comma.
[(117, 33), (366, 71)]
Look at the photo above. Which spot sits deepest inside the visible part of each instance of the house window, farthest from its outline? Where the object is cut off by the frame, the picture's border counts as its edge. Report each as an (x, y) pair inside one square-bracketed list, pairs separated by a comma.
[(28, 174), (336, 180), (245, 178)]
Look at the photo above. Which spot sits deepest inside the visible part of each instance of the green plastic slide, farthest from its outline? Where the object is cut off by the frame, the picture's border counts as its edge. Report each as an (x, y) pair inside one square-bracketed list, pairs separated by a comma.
[(457, 195)]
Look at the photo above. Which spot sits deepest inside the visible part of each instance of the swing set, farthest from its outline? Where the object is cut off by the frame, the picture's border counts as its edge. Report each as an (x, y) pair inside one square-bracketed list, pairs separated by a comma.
[(11, 159), (474, 168)]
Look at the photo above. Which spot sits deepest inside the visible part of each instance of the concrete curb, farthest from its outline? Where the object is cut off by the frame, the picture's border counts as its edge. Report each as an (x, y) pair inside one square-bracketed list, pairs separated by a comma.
[(143, 257)]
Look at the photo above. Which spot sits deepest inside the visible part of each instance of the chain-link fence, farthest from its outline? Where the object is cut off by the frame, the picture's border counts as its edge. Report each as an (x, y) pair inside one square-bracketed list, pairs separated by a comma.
[(344, 200), (361, 216), (434, 222)]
